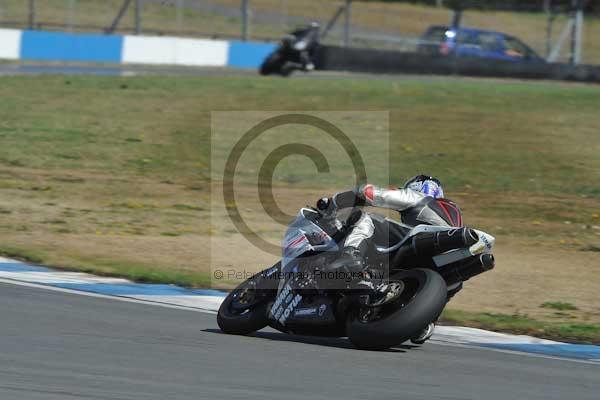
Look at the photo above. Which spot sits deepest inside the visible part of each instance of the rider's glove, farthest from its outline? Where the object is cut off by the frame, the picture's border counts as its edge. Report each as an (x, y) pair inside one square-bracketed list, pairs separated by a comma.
[(326, 207), (323, 205)]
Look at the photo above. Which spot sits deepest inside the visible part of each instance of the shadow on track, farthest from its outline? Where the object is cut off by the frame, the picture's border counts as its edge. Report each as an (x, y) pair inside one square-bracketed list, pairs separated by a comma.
[(315, 340)]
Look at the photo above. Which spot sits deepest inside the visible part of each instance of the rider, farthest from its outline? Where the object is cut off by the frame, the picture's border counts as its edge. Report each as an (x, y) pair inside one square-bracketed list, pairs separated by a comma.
[(310, 36), (417, 204)]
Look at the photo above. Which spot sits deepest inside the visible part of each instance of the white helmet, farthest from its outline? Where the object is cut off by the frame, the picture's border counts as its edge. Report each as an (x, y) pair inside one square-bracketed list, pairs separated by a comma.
[(428, 185)]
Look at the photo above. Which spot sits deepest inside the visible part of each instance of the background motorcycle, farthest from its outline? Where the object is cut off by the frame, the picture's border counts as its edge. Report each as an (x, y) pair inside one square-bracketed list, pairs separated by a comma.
[(295, 52), (427, 262)]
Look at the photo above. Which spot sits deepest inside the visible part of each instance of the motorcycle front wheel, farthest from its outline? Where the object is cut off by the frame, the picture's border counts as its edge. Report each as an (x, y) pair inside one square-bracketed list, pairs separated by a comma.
[(245, 309), (272, 65), (421, 302)]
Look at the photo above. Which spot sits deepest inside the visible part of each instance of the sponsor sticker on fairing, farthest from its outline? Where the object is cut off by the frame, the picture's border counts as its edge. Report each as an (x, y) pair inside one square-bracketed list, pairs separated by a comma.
[(305, 311), (322, 309), (290, 307), (285, 303)]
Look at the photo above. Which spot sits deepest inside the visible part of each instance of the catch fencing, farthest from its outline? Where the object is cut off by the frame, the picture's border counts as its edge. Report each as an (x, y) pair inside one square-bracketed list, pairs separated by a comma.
[(380, 25)]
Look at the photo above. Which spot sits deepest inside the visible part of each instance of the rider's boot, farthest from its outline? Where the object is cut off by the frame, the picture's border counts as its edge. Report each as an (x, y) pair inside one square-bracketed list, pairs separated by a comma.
[(306, 61), (380, 294)]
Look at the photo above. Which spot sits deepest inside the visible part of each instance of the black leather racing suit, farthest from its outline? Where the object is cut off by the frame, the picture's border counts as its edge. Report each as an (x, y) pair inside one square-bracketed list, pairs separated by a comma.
[(414, 207), (310, 36)]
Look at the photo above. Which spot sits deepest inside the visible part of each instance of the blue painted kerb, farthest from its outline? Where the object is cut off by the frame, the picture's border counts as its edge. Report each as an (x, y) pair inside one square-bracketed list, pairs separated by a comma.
[(566, 350), (55, 46)]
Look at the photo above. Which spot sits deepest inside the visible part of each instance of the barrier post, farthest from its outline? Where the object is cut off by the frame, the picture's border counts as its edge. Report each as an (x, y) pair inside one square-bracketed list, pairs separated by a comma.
[(576, 31), (31, 23), (549, 28), (347, 17), (457, 18), (138, 17), (71, 15), (245, 19), (179, 15)]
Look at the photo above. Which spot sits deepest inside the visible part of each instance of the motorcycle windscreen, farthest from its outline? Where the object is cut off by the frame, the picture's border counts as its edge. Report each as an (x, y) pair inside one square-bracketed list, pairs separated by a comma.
[(303, 236)]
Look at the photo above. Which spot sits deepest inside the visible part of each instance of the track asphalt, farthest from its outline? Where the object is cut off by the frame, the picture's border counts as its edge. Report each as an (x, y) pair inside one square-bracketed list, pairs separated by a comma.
[(63, 346)]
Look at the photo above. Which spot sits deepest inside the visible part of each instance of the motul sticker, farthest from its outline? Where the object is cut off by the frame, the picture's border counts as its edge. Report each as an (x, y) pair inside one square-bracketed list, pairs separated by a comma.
[(285, 303)]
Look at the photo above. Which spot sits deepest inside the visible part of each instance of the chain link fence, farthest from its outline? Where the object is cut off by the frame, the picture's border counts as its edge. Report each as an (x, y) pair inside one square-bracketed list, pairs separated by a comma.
[(388, 25)]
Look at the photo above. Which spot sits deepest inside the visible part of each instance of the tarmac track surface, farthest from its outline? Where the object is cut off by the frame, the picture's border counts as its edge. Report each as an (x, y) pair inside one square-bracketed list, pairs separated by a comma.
[(64, 346)]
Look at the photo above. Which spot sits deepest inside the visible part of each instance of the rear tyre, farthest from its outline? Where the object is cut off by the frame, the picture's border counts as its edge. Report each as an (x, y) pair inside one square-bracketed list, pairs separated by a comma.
[(422, 302), (244, 310)]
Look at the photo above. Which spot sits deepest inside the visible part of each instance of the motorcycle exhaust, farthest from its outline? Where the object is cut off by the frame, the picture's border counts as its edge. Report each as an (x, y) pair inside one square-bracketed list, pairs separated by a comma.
[(433, 243), (487, 261), (428, 244), (476, 266)]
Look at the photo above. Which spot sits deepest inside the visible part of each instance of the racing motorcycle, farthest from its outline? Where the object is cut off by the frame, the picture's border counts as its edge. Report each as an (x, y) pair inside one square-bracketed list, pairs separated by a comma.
[(294, 53), (426, 264)]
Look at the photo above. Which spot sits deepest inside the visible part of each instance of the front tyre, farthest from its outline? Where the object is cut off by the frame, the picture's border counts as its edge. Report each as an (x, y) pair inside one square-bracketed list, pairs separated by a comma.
[(272, 65), (421, 302), (244, 310)]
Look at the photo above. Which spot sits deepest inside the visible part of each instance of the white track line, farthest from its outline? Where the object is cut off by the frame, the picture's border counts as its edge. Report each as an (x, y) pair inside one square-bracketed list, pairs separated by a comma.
[(104, 296)]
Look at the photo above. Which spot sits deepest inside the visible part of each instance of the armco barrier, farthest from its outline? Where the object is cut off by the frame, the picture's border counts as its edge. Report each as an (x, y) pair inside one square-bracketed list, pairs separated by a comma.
[(82, 47), (392, 62)]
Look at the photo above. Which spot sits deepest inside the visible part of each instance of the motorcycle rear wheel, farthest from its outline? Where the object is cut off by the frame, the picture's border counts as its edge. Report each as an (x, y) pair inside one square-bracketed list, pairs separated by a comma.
[(422, 302)]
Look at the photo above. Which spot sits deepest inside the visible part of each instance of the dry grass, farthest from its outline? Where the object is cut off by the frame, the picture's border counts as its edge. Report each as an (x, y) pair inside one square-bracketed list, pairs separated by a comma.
[(97, 15)]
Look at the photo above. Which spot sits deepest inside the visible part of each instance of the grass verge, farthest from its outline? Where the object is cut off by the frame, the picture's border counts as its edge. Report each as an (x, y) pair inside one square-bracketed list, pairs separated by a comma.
[(21, 254), (142, 273), (524, 325)]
